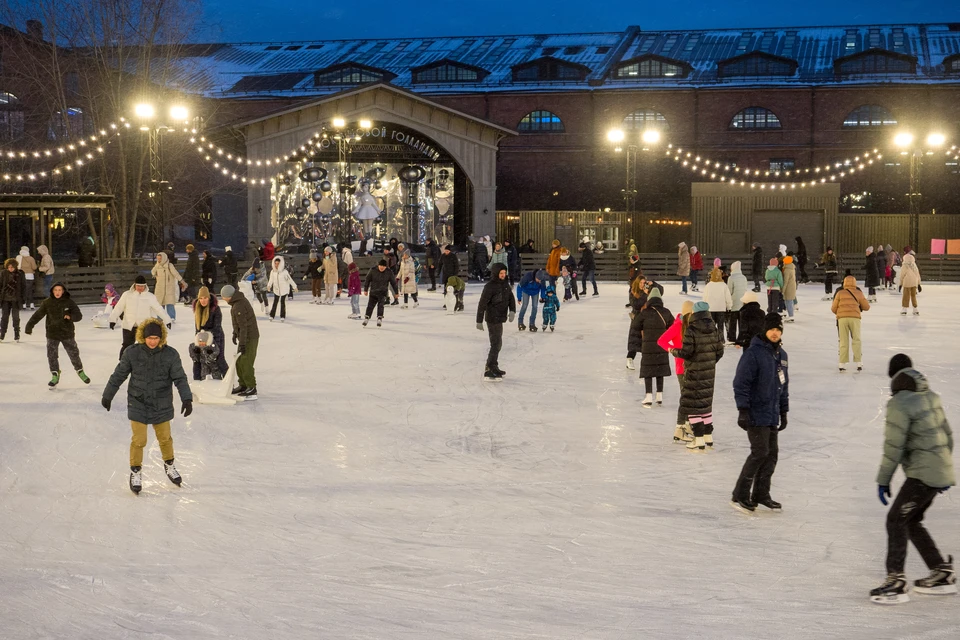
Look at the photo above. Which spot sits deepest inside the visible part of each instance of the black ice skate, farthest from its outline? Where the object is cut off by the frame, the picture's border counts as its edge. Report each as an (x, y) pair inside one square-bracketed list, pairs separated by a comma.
[(522, 327), (497, 370), (366, 320), (551, 329), (249, 394), (892, 591), (533, 329), (491, 376), (744, 506), (769, 503), (172, 473), (135, 482), (942, 581), (238, 390), (379, 322)]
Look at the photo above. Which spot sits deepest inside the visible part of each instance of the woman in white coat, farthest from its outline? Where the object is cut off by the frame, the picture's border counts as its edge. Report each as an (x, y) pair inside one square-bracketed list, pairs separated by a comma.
[(717, 295), (910, 282), (281, 285), (136, 305), (166, 289), (407, 279)]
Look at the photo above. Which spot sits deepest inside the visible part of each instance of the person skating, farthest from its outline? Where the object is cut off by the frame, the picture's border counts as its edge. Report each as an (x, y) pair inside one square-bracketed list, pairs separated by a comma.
[(136, 305), (847, 306), (801, 259), (282, 285), (331, 275), (449, 263), (774, 280), (154, 369), (62, 314), (207, 317), (696, 266), (377, 286), (343, 271), (588, 268), (229, 264), (458, 286), (671, 339), (354, 288), (738, 286), (314, 271), (205, 355), (701, 351), (499, 257), (918, 438), (527, 247), (634, 271), (789, 286), (529, 292), (28, 266), (751, 319), (208, 270), (169, 284), (432, 255), (46, 268), (407, 280), (757, 270), (551, 306), (645, 331), (553, 262), (513, 262), (881, 256), (496, 306), (12, 295), (191, 274), (717, 295), (830, 270), (568, 263), (246, 335), (893, 261), (171, 251), (910, 283), (761, 391), (257, 276), (683, 266), (872, 278)]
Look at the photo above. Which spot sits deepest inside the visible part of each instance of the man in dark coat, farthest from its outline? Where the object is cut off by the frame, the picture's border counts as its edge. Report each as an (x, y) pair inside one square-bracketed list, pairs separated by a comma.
[(872, 278), (208, 271), (246, 335), (801, 258), (701, 351), (449, 263), (87, 253), (588, 268), (153, 368), (760, 388), (229, 264), (750, 320), (12, 294), (513, 262), (496, 306), (252, 252), (528, 247), (62, 314), (377, 285), (171, 253), (757, 267), (645, 329), (432, 256), (191, 274)]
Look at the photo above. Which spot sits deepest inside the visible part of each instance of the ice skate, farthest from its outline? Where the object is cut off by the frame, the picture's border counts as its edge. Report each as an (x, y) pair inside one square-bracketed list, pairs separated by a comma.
[(366, 320), (136, 483), (659, 398), (55, 380), (903, 311), (533, 329), (630, 364), (680, 435), (647, 401), (744, 506), (916, 312), (595, 294), (379, 322), (770, 504), (827, 298), (708, 439), (248, 394), (416, 304), (697, 444), (892, 591), (491, 376), (521, 327), (941, 582), (282, 320), (238, 390), (83, 376), (172, 473), (843, 367), (859, 367), (405, 306), (497, 370), (551, 328)]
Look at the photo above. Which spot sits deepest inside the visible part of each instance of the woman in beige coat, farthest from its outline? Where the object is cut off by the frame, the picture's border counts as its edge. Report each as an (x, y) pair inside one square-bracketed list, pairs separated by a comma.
[(47, 268), (789, 290), (167, 289), (407, 280), (910, 281), (683, 265), (28, 265), (331, 274), (848, 304)]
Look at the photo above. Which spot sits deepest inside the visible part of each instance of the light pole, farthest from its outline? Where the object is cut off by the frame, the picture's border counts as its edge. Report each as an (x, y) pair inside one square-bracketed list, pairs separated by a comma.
[(905, 141), (146, 114), (647, 139), (343, 139)]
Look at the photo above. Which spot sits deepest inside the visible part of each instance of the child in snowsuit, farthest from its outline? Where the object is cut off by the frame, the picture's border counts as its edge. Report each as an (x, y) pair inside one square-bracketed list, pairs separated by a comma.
[(62, 314), (551, 307), (568, 269), (205, 355)]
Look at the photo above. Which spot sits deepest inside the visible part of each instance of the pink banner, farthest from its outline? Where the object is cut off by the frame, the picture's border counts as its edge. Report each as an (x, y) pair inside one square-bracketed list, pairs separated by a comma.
[(938, 246)]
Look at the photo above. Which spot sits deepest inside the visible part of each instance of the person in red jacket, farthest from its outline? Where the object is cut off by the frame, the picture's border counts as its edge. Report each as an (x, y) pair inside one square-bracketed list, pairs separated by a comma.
[(696, 266), (268, 252), (672, 338)]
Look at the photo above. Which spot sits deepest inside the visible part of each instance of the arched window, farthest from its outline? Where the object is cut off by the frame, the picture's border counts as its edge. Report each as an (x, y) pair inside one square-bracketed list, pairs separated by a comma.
[(869, 115), (11, 117), (540, 122), (644, 119), (69, 124), (755, 119)]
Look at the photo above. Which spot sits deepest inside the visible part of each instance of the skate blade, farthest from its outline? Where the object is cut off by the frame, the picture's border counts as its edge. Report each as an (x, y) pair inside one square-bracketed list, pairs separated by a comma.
[(942, 590), (742, 510), (895, 598), (493, 379)]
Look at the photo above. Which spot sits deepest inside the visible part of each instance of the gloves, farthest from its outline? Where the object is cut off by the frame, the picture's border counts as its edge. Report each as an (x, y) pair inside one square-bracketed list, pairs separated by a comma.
[(406, 280), (883, 490), (187, 408), (113, 325), (241, 349), (105, 403), (234, 339), (743, 420), (479, 326), (169, 326), (783, 421), (511, 316)]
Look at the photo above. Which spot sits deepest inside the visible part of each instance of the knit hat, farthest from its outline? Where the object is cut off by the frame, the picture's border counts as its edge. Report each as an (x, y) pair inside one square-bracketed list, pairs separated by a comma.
[(686, 307), (654, 293), (773, 262), (203, 336), (870, 249), (227, 291), (788, 260), (327, 250), (772, 321), (716, 262), (203, 293), (898, 363), (153, 330), (701, 306), (228, 248), (313, 255), (140, 280), (749, 297)]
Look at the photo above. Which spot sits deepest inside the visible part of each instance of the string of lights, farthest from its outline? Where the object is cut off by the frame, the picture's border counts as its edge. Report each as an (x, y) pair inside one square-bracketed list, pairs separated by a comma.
[(215, 151), (62, 150), (86, 153)]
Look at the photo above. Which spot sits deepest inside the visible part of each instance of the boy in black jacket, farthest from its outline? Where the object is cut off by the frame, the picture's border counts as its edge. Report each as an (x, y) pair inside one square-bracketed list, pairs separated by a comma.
[(379, 281), (62, 314), (496, 306)]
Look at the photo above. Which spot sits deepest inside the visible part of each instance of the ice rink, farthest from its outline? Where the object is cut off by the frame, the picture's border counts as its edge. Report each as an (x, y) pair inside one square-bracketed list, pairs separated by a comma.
[(379, 489)]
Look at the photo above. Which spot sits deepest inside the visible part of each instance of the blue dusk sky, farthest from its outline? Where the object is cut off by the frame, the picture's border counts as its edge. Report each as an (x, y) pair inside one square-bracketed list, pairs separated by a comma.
[(260, 20)]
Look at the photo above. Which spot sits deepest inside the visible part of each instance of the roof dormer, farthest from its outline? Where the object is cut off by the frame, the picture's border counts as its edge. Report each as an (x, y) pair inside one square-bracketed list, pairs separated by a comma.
[(550, 69), (350, 73), (875, 62), (447, 71), (756, 64), (650, 66)]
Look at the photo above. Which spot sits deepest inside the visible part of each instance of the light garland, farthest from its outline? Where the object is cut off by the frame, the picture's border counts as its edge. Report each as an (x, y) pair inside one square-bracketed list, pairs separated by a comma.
[(204, 146), (712, 169), (62, 150), (91, 154)]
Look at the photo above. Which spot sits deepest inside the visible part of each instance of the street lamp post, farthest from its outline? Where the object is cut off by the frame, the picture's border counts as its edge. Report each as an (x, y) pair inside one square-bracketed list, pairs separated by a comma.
[(647, 139), (146, 113), (905, 141)]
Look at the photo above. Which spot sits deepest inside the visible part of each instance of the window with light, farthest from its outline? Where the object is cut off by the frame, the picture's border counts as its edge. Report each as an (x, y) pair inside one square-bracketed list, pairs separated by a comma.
[(869, 116), (540, 122), (644, 119), (755, 119)]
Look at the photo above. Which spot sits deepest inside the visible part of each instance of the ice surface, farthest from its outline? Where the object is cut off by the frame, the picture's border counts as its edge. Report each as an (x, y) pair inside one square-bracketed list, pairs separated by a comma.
[(379, 489)]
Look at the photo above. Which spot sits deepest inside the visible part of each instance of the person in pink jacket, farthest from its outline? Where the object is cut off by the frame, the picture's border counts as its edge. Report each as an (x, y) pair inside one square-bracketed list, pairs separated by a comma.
[(672, 338), (354, 285)]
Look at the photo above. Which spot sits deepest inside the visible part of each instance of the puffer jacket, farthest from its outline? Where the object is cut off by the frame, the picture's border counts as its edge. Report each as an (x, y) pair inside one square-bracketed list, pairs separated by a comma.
[(672, 338), (191, 274), (449, 264), (696, 260), (757, 386), (872, 278), (917, 435), (243, 319), (354, 284), (496, 300), (136, 307), (909, 273), (152, 373), (26, 262), (737, 284), (166, 289), (12, 285), (717, 295), (829, 262), (331, 271), (849, 301), (683, 260), (280, 282), (774, 278), (407, 278), (701, 351), (54, 309), (645, 331), (47, 267), (553, 261), (214, 323), (757, 266), (751, 323), (379, 283), (529, 285), (789, 281), (499, 257)]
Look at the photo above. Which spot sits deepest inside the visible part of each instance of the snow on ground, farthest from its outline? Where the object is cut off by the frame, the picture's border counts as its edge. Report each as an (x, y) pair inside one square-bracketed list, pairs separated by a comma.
[(379, 489)]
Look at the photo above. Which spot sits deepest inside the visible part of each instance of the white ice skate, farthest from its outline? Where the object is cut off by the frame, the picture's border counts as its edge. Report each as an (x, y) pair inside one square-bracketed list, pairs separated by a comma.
[(647, 401), (136, 483), (630, 364), (697, 445), (682, 434)]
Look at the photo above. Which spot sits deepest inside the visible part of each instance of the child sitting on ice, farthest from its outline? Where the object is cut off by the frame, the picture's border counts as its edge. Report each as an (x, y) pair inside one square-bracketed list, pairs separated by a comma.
[(204, 353), (550, 308), (454, 290), (109, 297)]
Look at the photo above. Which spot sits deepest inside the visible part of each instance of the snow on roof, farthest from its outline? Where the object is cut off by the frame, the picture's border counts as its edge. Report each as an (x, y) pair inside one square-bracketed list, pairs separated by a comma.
[(237, 69)]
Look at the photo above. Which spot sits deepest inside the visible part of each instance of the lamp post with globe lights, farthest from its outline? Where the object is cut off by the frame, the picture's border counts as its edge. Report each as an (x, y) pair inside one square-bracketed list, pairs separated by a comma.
[(146, 114), (909, 146), (633, 144)]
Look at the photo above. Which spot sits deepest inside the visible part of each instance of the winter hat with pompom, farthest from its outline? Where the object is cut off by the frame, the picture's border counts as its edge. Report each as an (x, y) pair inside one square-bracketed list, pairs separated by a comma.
[(788, 260)]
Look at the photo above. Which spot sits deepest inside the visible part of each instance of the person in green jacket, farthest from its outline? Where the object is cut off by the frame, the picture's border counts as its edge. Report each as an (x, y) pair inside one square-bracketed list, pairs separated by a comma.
[(917, 437), (774, 279), (62, 313), (153, 367)]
